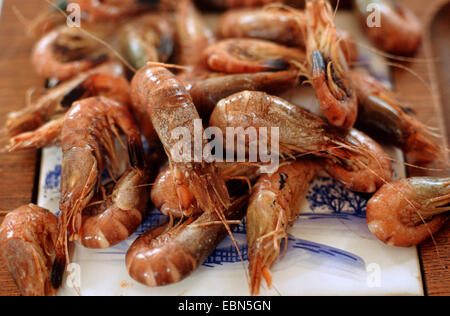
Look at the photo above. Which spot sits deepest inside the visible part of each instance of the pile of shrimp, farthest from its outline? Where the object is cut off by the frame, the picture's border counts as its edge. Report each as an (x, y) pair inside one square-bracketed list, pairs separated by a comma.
[(135, 70)]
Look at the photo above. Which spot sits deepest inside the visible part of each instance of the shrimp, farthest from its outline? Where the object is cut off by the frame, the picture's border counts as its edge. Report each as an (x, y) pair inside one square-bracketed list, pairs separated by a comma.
[(206, 93), (55, 102), (111, 222), (193, 35), (164, 256), (95, 11), (242, 55), (65, 52), (330, 74), (407, 212), (276, 25), (115, 88), (166, 103), (273, 207), (27, 240), (87, 134), (164, 194), (286, 27), (382, 115), (366, 178), (227, 4), (149, 38), (302, 133), (404, 28)]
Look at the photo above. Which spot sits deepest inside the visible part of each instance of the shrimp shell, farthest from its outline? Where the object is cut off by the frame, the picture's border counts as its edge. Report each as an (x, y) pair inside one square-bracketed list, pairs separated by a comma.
[(27, 239), (165, 256), (273, 207), (409, 211), (113, 221)]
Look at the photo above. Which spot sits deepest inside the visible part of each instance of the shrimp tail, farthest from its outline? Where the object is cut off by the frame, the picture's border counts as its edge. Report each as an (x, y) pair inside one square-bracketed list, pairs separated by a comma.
[(58, 269)]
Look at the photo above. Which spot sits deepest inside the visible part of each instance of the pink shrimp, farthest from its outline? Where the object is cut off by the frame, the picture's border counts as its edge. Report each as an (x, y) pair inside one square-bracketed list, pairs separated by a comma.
[(330, 74), (88, 133), (27, 246), (407, 212)]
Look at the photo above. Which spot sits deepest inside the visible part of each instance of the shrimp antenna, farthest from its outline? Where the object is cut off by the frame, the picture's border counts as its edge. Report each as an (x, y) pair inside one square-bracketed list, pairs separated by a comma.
[(381, 53), (169, 66)]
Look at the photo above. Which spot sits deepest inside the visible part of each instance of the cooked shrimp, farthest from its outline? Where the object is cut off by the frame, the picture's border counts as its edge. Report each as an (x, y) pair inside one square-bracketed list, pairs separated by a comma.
[(27, 247), (164, 194), (301, 133), (114, 87), (276, 25), (66, 52), (165, 102), (330, 74), (54, 102), (286, 27), (87, 135), (193, 35), (164, 255), (207, 92), (243, 55), (115, 219), (366, 178), (95, 11), (273, 207), (381, 115), (227, 4), (149, 38), (404, 28), (409, 211)]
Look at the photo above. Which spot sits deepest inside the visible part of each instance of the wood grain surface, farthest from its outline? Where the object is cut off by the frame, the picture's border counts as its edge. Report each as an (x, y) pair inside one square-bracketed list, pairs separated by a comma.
[(429, 98)]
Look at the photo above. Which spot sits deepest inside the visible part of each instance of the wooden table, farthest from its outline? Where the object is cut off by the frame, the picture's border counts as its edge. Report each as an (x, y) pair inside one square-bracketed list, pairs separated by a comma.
[(19, 172)]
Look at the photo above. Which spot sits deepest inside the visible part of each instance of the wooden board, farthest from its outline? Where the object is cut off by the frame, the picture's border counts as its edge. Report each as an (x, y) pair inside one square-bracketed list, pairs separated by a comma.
[(18, 172)]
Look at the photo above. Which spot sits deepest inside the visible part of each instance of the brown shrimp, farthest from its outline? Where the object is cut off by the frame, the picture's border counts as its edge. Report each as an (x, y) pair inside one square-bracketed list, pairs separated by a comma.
[(66, 52), (164, 255), (27, 247), (227, 4), (164, 192), (375, 171), (329, 71), (193, 35), (404, 29), (381, 115), (148, 38), (95, 11), (98, 84), (244, 55), (207, 92), (114, 220), (165, 102), (87, 139), (302, 133), (407, 212), (276, 25), (55, 102), (286, 27), (273, 207)]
